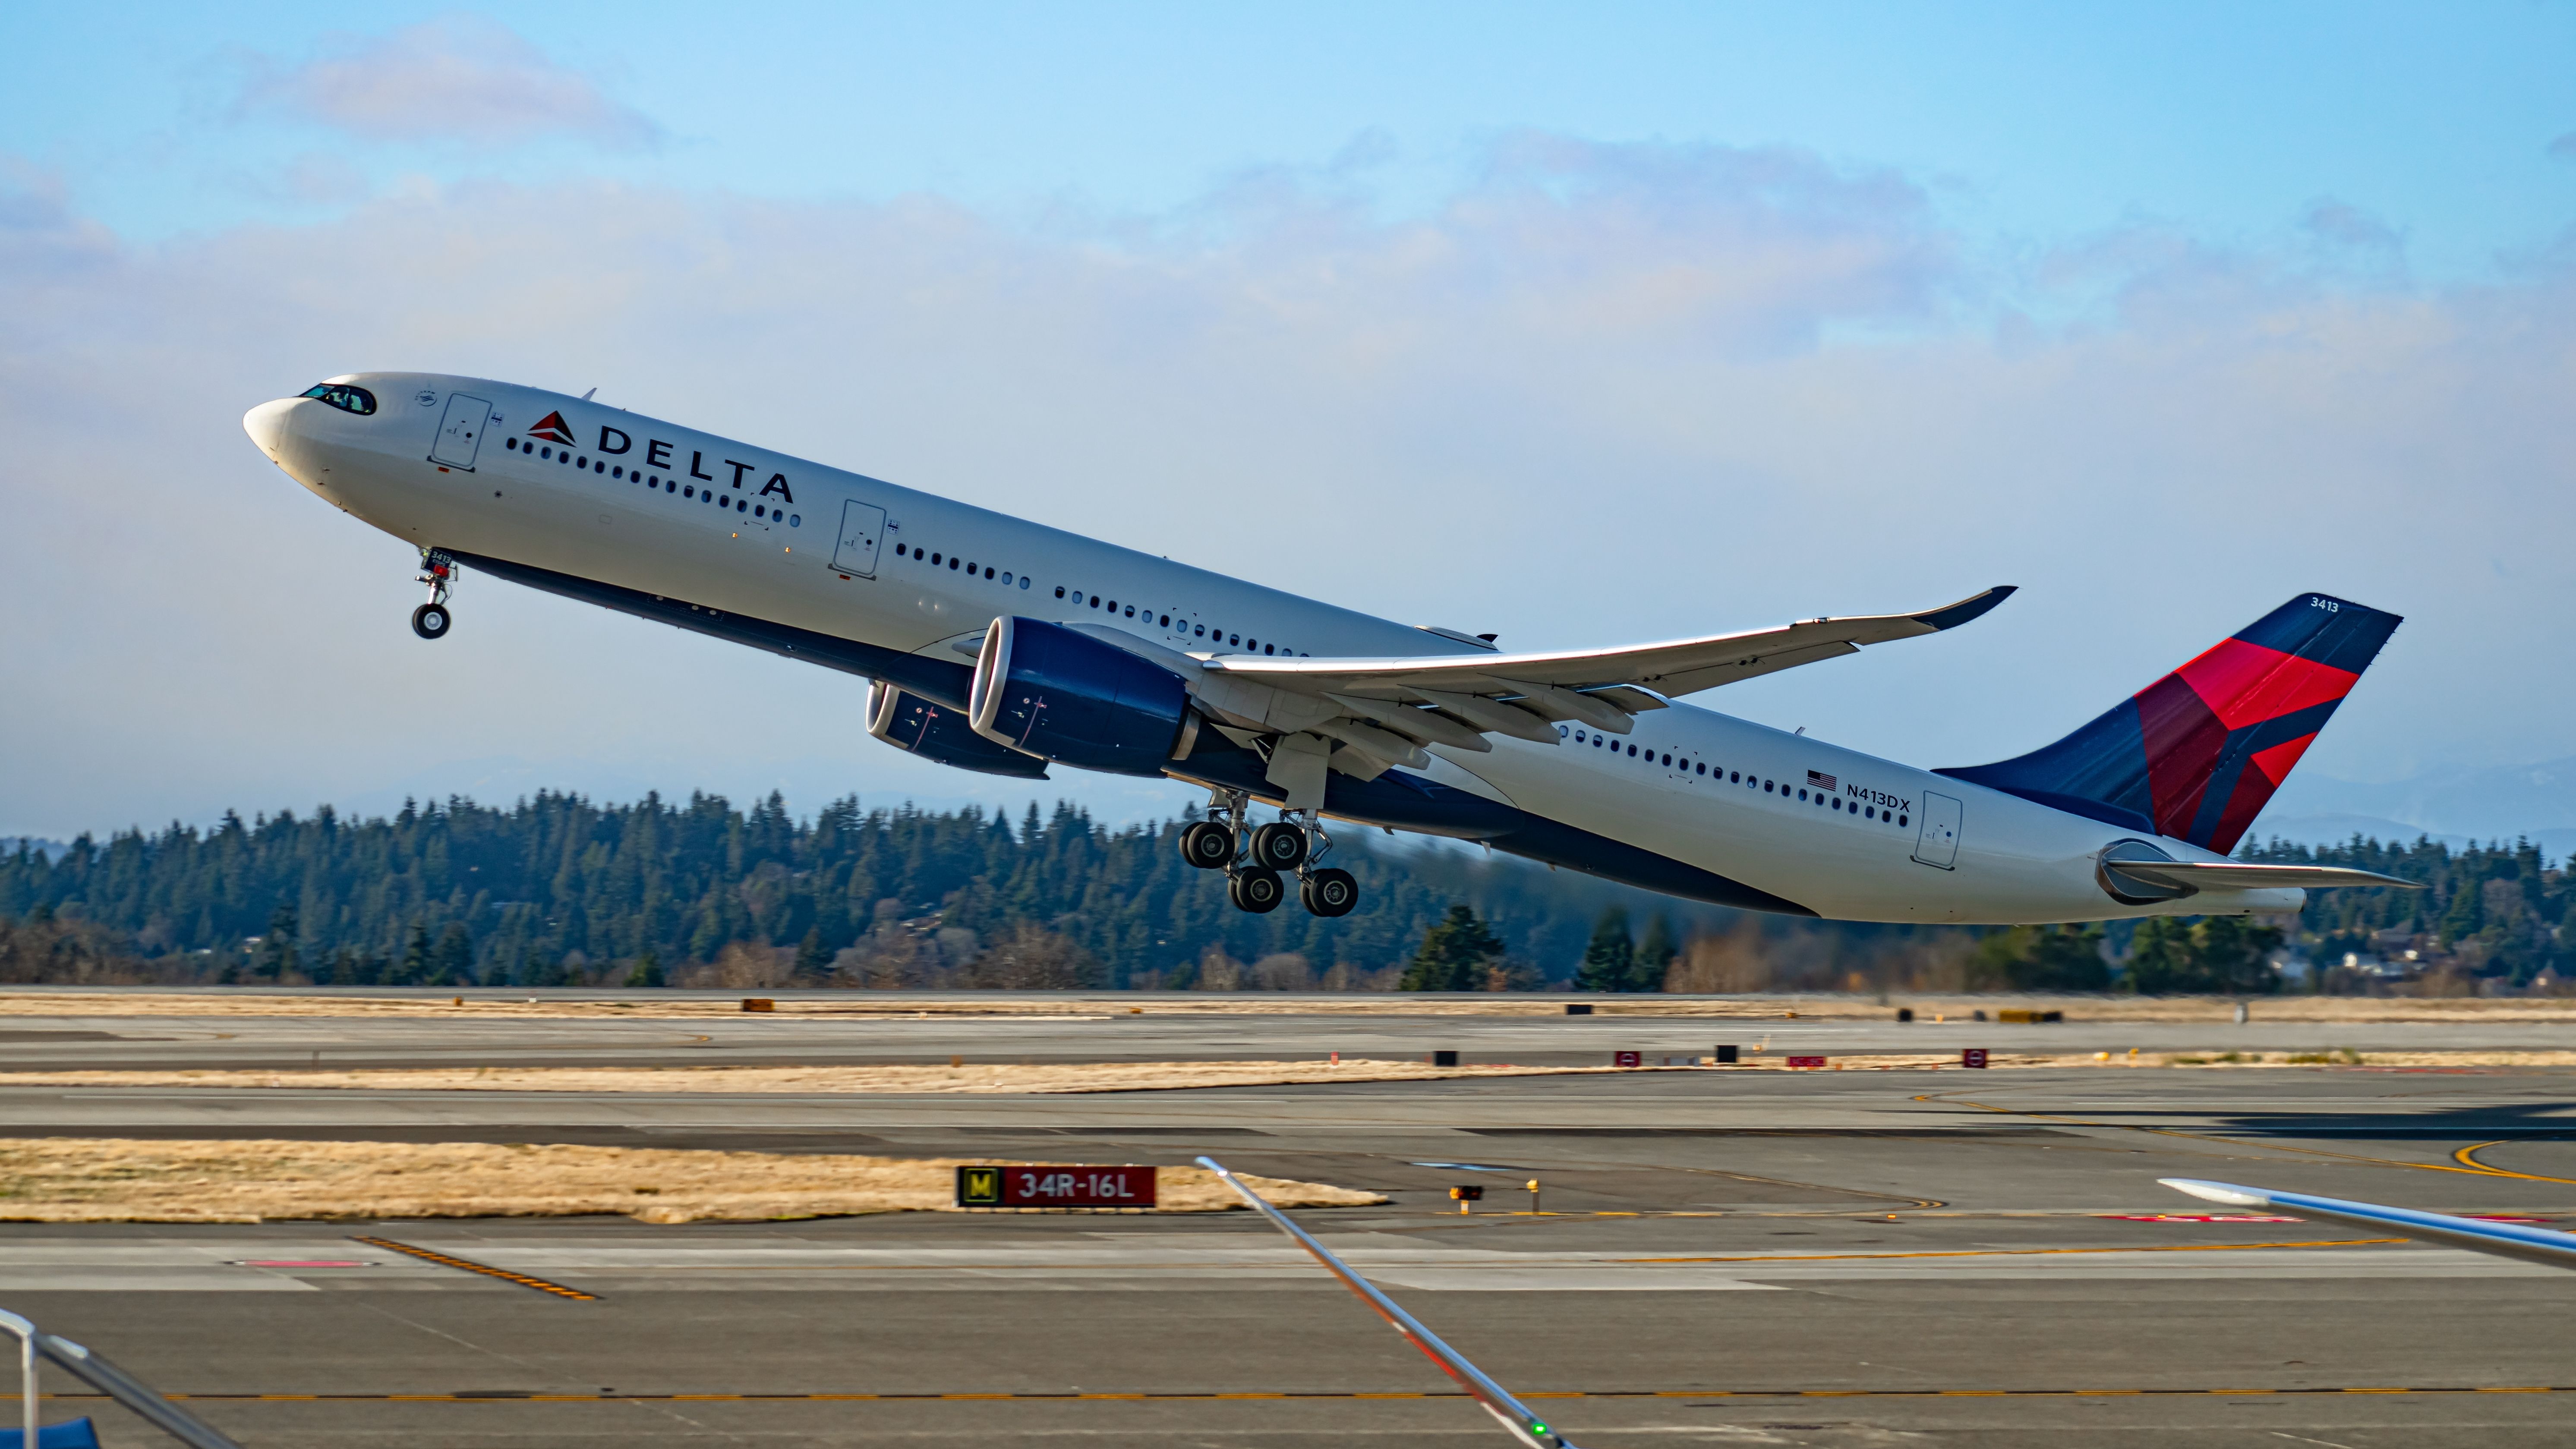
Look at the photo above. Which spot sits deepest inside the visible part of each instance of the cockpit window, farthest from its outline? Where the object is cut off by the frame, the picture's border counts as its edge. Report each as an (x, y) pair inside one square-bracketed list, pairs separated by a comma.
[(344, 397)]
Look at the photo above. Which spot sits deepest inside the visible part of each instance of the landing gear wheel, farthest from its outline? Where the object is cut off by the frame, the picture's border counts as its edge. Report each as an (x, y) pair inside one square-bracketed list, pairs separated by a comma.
[(1207, 845), (1279, 846), (430, 621), (1329, 892), (1257, 891)]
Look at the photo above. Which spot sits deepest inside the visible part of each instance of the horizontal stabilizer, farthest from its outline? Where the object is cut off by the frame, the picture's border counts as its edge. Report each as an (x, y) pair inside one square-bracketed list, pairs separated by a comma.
[(1515, 1416), (2246, 876), (2505, 1240)]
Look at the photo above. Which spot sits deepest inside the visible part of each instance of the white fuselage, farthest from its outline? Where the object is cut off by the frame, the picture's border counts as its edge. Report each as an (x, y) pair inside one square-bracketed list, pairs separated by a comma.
[(755, 534)]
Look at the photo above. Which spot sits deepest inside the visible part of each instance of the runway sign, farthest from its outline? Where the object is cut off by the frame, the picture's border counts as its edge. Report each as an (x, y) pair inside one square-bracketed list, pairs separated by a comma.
[(1972, 1057), (1055, 1187), (1627, 1059), (1806, 1064)]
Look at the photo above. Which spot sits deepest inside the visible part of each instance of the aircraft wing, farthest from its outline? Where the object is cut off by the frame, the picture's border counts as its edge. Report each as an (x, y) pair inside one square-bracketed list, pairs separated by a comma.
[(2505, 1240), (2247, 876), (1393, 705), (1514, 1416)]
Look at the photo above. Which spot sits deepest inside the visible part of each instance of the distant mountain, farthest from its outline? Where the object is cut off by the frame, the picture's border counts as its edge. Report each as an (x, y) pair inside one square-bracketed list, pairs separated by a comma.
[(2453, 805)]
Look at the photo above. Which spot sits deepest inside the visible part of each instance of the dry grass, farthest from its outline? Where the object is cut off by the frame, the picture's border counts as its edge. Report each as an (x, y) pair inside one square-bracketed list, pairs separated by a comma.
[(253, 1001), (66, 1180), (993, 1077), (1160, 1076)]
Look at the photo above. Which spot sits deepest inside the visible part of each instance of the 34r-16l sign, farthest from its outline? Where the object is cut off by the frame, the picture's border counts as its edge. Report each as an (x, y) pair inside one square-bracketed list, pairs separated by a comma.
[(1055, 1187)]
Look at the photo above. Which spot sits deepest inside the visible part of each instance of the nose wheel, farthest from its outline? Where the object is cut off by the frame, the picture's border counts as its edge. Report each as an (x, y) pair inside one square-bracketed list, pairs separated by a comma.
[(1256, 862), (438, 570)]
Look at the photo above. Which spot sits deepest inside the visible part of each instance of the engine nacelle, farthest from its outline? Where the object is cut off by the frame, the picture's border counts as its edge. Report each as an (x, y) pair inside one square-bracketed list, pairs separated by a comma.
[(936, 732), (1051, 691)]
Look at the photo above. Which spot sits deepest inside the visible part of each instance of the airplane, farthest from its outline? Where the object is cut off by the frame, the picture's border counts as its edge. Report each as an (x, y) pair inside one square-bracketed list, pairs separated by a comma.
[(996, 644)]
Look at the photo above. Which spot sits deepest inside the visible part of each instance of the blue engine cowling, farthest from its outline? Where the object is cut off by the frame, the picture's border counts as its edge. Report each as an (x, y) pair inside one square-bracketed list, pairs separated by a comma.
[(936, 732), (1051, 691)]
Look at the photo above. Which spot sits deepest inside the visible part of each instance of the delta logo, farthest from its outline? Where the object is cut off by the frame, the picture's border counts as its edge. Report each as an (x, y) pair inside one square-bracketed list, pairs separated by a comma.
[(553, 429)]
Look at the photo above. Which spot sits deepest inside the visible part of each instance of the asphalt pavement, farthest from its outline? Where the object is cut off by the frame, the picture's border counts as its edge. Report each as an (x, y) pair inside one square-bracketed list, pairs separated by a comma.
[(1827, 1259)]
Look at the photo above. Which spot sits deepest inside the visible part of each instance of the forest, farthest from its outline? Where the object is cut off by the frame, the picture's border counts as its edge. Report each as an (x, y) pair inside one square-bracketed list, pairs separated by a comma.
[(557, 890)]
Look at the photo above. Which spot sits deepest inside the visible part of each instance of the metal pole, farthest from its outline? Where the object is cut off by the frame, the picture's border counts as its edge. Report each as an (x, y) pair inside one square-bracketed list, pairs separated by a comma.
[(26, 1372), (134, 1394)]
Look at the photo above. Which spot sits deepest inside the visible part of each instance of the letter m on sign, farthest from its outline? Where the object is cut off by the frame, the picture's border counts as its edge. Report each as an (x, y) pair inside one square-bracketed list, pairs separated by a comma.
[(979, 1187)]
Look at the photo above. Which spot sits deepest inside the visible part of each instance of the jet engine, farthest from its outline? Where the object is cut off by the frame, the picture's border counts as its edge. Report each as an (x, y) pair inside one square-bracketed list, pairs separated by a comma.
[(936, 732), (1054, 692)]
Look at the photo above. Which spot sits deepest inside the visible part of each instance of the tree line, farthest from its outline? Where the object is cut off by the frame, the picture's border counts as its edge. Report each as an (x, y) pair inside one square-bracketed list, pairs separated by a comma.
[(561, 890)]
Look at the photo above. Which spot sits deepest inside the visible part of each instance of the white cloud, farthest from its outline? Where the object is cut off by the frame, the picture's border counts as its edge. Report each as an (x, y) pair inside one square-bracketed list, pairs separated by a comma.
[(457, 78), (1605, 394)]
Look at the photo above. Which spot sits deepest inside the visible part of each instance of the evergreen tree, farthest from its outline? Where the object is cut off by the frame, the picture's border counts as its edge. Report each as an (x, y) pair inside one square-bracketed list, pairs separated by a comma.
[(1654, 956), (414, 967), (647, 972), (2041, 958), (1610, 960), (1454, 955), (277, 947), (813, 961), (451, 963)]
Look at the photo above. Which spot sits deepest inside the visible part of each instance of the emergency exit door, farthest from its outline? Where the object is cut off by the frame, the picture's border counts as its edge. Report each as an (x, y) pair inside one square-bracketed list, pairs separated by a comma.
[(1938, 843), (460, 432), (862, 534)]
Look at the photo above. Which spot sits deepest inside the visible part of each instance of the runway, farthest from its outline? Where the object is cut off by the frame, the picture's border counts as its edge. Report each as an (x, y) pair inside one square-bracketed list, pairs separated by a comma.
[(1168, 1030), (1825, 1259)]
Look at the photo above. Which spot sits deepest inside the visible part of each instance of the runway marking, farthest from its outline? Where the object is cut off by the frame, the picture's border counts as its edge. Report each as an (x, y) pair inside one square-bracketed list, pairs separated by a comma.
[(1374, 1395), (2028, 1252), (445, 1260), (2462, 1161), (2467, 1157)]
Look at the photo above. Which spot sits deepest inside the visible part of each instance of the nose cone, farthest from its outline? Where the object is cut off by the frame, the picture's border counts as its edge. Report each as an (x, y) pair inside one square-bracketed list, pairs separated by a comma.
[(266, 425)]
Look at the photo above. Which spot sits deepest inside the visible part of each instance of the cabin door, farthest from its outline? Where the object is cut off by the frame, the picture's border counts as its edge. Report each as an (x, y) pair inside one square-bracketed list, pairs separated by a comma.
[(460, 433), (1938, 842), (862, 533)]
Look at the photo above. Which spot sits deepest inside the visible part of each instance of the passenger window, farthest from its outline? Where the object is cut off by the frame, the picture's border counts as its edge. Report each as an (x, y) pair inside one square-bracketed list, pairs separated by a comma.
[(344, 397), (689, 492), (1766, 787), (1703, 769), (1234, 638), (1095, 601), (1131, 611), (1059, 591), (1201, 629), (545, 452), (988, 572), (1024, 581)]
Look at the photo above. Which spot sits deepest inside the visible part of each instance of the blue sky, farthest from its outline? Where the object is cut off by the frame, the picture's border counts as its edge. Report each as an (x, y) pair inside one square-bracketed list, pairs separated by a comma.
[(1590, 324), (2033, 122)]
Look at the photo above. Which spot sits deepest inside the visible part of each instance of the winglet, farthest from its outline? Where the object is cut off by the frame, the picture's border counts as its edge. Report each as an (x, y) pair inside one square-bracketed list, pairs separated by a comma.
[(1511, 1413), (1968, 610), (2546, 1246), (2222, 1192)]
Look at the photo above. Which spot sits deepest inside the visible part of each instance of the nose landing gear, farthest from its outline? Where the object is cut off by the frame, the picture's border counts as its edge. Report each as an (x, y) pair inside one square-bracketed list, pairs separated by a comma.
[(1254, 861), (438, 570)]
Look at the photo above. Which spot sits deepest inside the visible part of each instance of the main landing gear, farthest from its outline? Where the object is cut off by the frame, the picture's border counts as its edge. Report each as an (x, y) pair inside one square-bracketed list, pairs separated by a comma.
[(1256, 862), (437, 570)]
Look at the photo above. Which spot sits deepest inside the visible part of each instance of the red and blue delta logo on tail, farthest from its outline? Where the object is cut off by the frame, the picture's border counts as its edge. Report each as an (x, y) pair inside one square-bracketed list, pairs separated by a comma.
[(2197, 754)]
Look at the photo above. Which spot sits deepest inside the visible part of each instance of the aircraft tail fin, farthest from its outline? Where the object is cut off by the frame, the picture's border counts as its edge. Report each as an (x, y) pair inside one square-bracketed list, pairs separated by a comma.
[(2197, 754)]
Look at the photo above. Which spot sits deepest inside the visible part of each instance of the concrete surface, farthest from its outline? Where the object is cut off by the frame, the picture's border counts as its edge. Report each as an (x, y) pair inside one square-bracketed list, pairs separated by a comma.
[(1831, 1259)]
